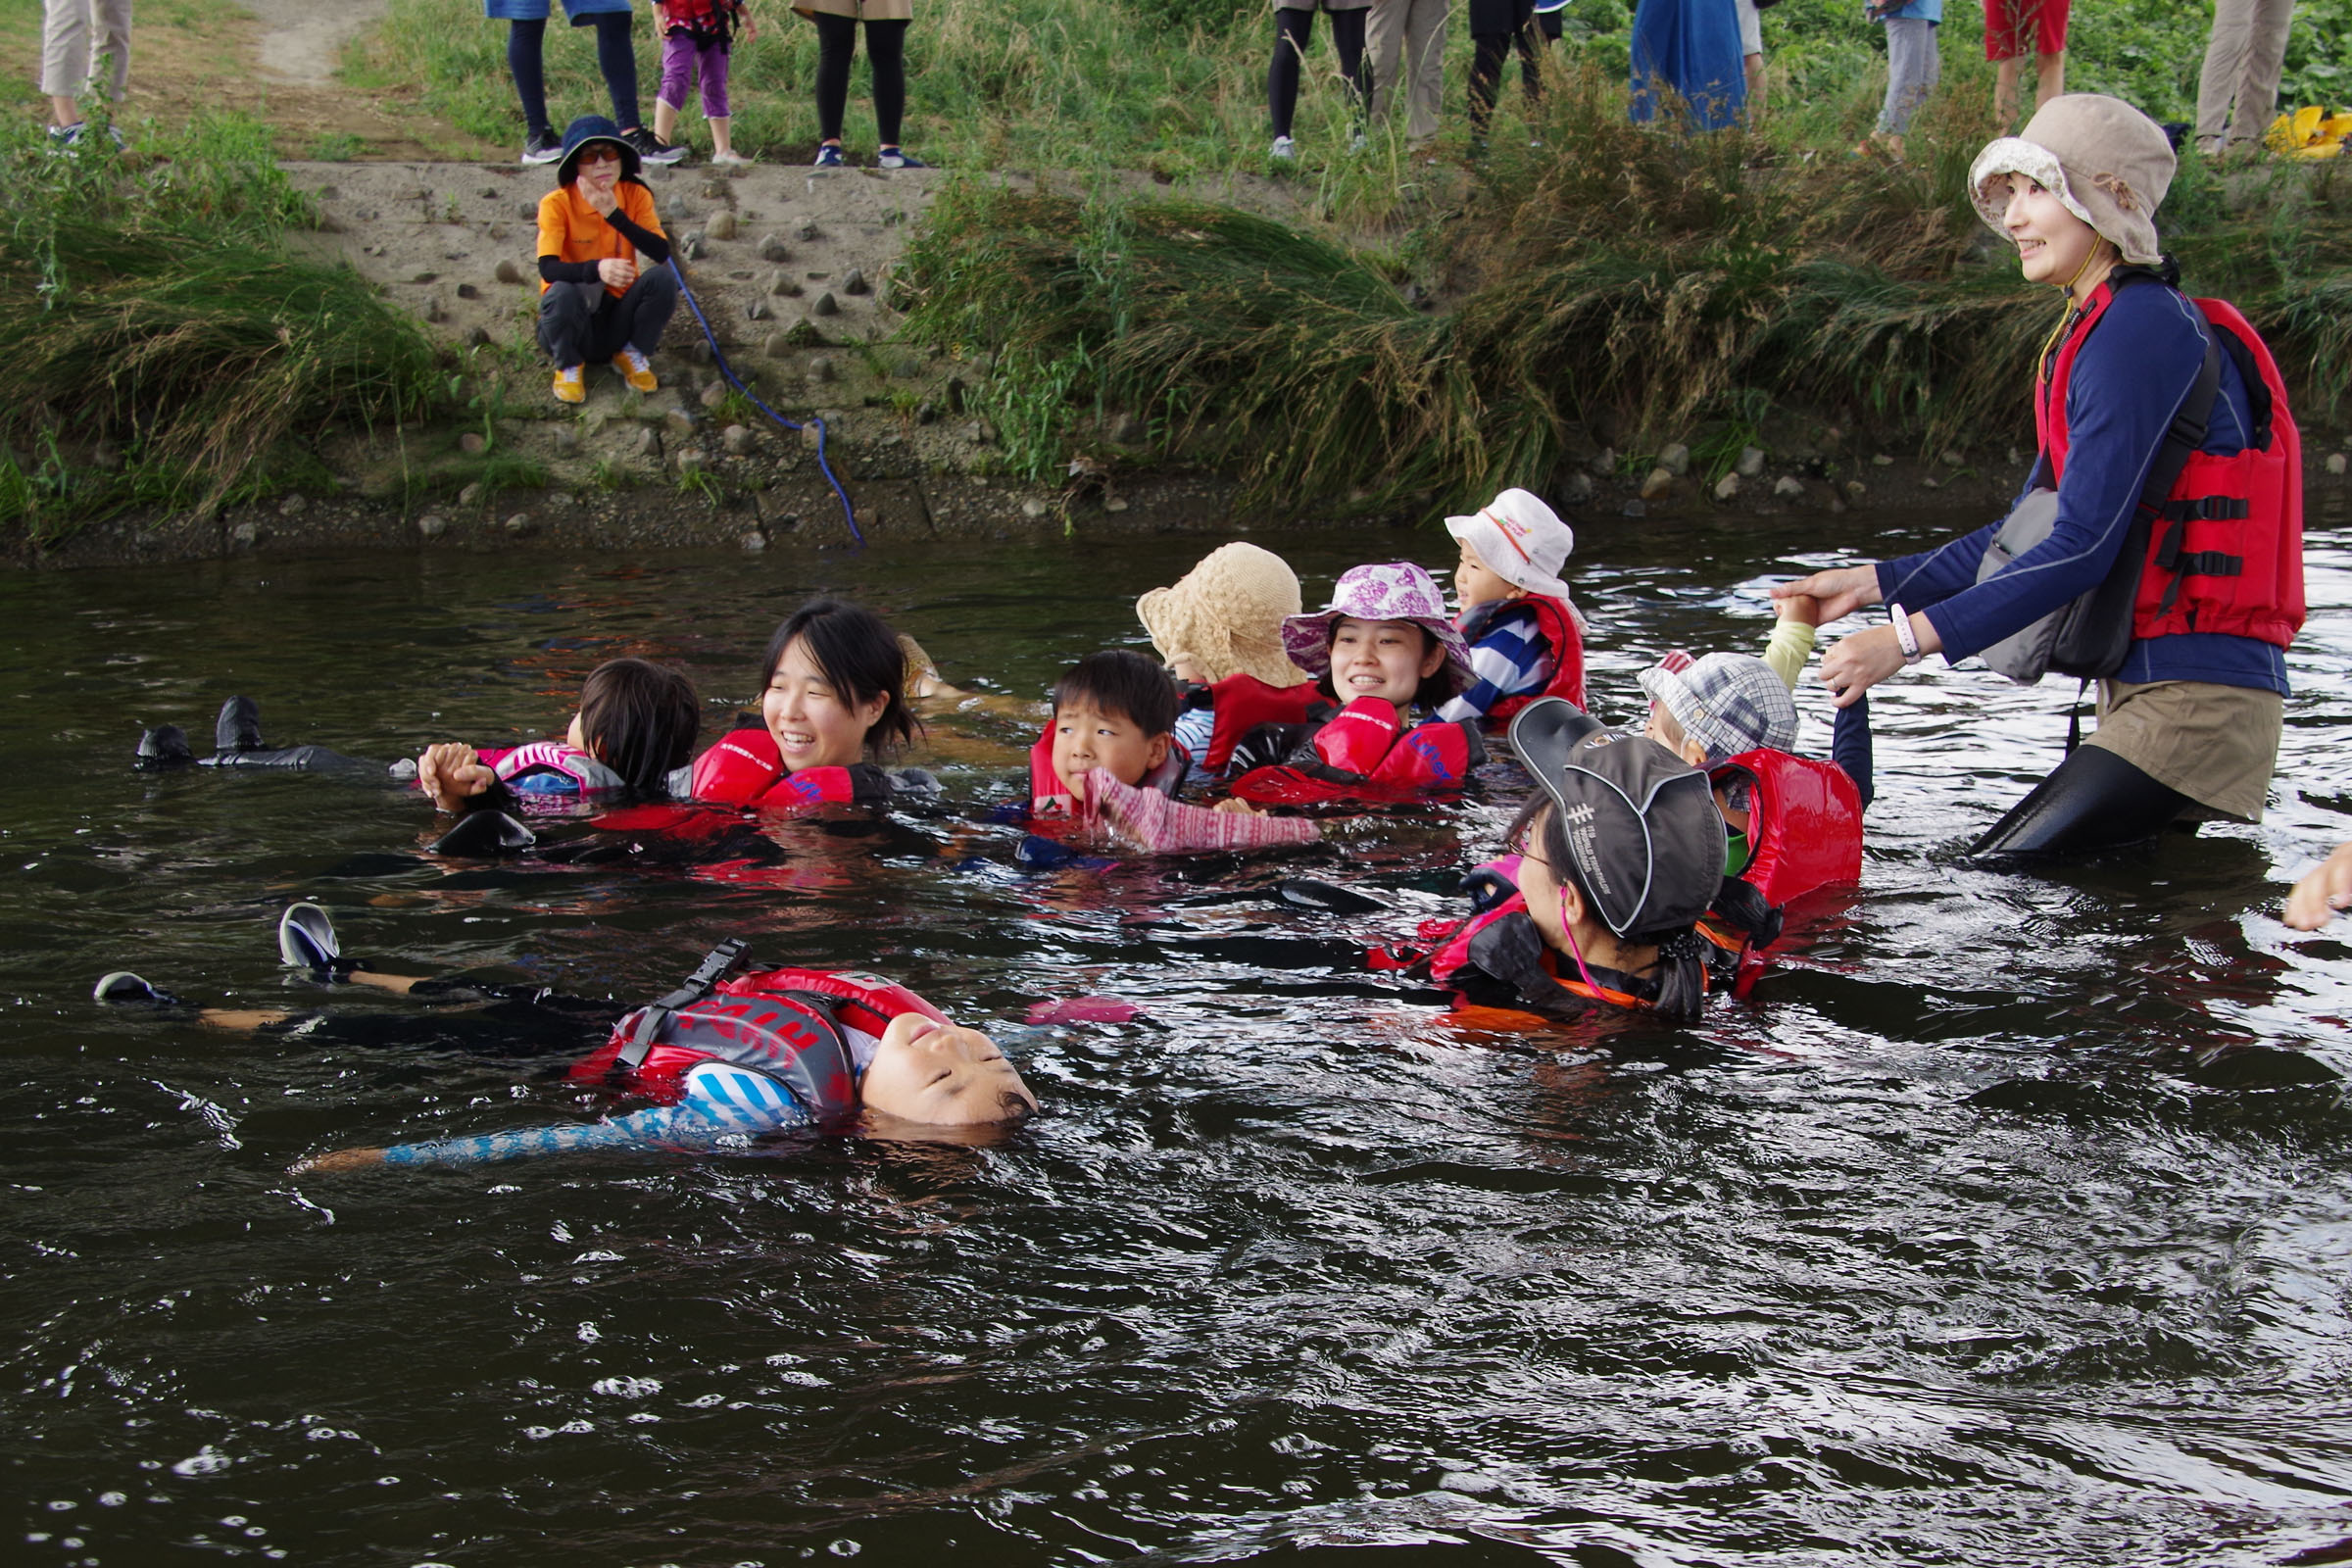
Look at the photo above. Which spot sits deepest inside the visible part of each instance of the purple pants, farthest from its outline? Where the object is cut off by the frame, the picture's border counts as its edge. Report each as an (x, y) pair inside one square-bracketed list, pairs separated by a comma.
[(681, 60)]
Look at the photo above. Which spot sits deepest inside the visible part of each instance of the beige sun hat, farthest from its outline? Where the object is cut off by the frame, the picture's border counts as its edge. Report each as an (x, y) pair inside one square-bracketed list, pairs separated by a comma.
[(1226, 616), (2107, 162)]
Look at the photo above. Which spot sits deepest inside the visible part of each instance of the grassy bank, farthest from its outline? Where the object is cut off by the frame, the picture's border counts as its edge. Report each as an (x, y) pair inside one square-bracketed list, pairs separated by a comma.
[(171, 349), (1178, 86), (1617, 286)]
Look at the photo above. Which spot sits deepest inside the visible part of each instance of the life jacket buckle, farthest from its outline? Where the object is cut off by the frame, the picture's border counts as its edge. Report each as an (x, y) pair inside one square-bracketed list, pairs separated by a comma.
[(715, 968)]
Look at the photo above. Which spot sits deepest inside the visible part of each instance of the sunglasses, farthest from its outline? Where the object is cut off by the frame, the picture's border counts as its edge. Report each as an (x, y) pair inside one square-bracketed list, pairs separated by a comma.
[(601, 156)]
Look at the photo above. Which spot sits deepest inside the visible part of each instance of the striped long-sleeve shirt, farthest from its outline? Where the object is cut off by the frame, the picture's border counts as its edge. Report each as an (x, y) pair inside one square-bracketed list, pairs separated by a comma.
[(1512, 657), (720, 1102)]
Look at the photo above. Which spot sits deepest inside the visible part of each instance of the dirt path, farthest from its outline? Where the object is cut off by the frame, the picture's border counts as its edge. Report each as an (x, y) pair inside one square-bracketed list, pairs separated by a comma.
[(301, 40)]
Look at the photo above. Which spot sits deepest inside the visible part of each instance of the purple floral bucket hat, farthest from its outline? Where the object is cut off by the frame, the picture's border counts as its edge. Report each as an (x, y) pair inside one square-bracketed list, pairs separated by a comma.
[(1397, 590)]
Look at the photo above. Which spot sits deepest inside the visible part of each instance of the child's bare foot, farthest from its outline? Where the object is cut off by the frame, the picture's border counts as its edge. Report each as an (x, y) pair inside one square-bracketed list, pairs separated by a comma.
[(922, 675)]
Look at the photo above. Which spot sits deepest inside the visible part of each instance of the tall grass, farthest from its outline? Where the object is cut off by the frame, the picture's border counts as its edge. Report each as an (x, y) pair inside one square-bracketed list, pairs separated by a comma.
[(1632, 279), (158, 316)]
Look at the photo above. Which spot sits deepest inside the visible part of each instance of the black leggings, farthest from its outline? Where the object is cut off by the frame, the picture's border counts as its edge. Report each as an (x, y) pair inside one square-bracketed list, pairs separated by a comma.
[(2093, 801), (579, 323), (1293, 30), (1488, 51), (885, 51), (525, 43)]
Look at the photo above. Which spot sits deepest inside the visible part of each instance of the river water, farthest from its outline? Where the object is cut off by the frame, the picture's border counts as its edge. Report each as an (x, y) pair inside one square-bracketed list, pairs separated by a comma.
[(2010, 1221)]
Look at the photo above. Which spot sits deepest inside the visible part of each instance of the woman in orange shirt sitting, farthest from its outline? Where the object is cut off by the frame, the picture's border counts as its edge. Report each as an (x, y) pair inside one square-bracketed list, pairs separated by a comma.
[(606, 287)]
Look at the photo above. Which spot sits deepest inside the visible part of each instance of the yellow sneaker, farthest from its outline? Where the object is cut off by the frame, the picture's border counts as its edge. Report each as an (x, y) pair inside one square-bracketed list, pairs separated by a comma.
[(635, 370), (571, 384)]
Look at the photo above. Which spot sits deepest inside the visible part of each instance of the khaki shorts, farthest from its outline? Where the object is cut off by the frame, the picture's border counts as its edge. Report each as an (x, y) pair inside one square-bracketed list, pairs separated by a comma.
[(2216, 745)]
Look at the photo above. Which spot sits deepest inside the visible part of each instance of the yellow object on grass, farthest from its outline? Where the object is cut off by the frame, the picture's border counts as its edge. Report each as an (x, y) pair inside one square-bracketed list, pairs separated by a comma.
[(2310, 132)]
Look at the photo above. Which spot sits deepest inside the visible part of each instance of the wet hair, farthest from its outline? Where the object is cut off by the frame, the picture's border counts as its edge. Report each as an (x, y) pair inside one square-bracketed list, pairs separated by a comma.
[(1437, 688), (860, 658), (639, 719), (1122, 684), (1682, 968)]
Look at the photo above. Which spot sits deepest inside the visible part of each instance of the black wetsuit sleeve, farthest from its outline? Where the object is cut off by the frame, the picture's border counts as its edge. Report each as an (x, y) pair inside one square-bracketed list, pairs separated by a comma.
[(649, 245), (553, 270), (1849, 746)]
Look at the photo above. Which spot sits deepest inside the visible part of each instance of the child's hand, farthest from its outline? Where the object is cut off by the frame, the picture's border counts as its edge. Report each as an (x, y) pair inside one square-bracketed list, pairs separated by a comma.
[(450, 771), (2319, 894), (1803, 608), (1237, 806)]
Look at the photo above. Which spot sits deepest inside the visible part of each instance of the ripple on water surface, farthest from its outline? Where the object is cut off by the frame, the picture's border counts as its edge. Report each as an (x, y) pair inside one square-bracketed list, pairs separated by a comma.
[(2010, 1222)]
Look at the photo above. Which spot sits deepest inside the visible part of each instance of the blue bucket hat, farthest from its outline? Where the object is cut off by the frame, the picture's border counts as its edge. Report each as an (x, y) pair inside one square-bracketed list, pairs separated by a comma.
[(594, 129)]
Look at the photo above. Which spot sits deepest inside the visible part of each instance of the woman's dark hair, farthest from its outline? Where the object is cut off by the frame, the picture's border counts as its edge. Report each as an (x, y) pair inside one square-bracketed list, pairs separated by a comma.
[(1437, 688), (639, 719), (1682, 970), (859, 657), (1122, 684)]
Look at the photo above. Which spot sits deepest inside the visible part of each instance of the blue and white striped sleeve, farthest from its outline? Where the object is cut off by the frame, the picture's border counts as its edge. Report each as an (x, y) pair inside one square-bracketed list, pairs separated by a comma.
[(720, 1104), (1195, 728), (1511, 658)]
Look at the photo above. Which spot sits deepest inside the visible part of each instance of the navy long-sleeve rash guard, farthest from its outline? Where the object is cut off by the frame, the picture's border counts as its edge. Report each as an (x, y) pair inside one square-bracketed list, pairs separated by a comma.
[(2129, 381)]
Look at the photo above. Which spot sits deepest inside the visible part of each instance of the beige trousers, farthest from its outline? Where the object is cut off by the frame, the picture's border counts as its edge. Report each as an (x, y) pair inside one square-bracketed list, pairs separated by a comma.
[(2238, 87), (77, 35), (1407, 39)]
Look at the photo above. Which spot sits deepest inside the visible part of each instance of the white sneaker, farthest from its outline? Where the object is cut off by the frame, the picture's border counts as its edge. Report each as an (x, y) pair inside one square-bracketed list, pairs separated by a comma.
[(1283, 148)]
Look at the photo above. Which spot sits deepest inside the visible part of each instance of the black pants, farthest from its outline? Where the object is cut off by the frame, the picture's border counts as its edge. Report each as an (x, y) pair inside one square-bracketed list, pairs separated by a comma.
[(2093, 801), (1293, 30), (579, 323), (885, 51), (1496, 27), (526, 42)]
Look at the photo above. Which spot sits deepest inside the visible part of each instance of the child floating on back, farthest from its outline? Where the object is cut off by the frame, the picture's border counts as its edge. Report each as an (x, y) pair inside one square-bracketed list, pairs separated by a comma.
[(633, 734), (1526, 636)]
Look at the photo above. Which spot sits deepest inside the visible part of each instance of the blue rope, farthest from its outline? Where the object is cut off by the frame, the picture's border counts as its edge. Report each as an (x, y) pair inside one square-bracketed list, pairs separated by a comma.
[(848, 514)]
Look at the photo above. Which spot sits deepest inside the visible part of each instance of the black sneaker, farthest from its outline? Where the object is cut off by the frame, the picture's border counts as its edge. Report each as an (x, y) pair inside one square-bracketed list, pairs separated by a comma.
[(163, 747), (239, 726), (124, 987), (485, 833), (652, 148), (542, 147)]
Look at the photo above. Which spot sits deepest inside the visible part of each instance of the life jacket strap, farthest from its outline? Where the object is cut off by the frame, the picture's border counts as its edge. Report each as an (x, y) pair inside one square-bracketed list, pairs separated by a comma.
[(714, 968), (2206, 508)]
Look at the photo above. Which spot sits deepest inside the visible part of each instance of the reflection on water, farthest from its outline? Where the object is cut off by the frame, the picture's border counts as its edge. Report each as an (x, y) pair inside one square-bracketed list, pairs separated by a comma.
[(2009, 1223)]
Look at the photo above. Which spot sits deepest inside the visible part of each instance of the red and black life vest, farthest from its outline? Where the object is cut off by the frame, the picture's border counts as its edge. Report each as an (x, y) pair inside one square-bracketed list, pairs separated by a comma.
[(1048, 796), (708, 20), (1557, 624), (2225, 553), (1804, 830), (811, 1030), (745, 768), (1498, 949), (1240, 703), (1366, 754)]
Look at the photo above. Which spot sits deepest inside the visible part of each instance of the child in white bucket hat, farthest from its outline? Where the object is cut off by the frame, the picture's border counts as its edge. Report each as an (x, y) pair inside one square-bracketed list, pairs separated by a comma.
[(1526, 636)]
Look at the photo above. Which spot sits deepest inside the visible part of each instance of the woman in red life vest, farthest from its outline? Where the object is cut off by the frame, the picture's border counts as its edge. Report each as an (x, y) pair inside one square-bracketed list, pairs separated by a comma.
[(1385, 649), (832, 701), (2138, 382)]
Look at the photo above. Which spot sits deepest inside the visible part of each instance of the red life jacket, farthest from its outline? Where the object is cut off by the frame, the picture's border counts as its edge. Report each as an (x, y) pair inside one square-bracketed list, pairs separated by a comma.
[(1366, 754), (1238, 704), (745, 768), (708, 17), (1557, 624), (2226, 552), (1451, 946), (1047, 798), (1804, 829), (813, 1030)]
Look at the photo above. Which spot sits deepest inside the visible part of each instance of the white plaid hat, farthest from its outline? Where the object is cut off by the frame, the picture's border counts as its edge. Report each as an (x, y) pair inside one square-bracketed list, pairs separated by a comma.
[(1728, 703)]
